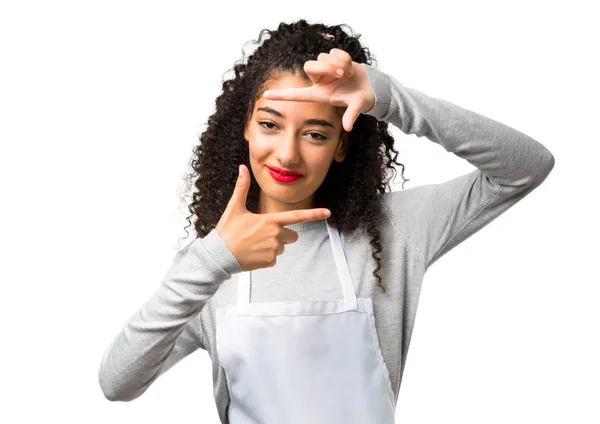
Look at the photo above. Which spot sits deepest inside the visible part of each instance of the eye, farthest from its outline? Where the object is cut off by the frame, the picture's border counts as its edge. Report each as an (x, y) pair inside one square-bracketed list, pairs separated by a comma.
[(320, 136), (265, 124)]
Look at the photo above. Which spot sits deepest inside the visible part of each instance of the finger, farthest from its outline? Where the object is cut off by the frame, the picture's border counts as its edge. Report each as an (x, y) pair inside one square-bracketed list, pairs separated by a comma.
[(300, 94), (317, 71), (240, 191), (336, 62), (280, 249), (299, 215), (345, 61), (350, 116), (342, 54), (288, 236)]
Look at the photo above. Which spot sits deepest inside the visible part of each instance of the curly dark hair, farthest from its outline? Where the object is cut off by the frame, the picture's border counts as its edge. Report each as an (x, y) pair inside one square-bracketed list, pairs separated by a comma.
[(350, 188)]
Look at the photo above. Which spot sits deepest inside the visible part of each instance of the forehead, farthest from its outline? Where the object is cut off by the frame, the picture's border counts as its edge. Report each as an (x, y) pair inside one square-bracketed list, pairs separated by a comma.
[(290, 108), (286, 80)]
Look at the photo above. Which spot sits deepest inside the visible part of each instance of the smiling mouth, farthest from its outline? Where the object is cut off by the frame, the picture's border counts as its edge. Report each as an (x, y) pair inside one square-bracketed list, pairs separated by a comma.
[(281, 177), (284, 172)]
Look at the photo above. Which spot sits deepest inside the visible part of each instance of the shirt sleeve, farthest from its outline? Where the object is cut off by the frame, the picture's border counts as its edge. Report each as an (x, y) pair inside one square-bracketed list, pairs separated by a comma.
[(434, 218), (166, 328)]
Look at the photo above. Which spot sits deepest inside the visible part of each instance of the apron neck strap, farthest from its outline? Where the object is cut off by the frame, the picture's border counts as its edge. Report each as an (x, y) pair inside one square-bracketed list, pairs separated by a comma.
[(341, 264)]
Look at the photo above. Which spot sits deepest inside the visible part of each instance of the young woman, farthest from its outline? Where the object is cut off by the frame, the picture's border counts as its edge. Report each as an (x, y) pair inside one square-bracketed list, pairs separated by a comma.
[(307, 315)]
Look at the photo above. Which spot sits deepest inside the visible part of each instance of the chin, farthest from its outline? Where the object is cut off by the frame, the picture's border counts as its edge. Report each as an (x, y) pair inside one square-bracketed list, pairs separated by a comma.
[(282, 193)]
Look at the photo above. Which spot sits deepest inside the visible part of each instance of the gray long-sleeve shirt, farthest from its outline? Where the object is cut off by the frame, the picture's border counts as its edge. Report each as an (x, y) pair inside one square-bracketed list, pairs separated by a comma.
[(421, 224)]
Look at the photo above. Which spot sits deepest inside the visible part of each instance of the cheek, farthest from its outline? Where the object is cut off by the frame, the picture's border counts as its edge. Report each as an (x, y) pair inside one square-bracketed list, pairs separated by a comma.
[(318, 161), (259, 147), (261, 144)]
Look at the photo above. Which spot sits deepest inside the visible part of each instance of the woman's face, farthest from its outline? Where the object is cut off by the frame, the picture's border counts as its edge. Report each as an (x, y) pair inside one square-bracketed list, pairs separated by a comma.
[(281, 135)]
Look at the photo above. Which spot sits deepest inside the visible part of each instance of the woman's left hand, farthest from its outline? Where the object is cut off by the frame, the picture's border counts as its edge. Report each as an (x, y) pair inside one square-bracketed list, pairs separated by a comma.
[(350, 89)]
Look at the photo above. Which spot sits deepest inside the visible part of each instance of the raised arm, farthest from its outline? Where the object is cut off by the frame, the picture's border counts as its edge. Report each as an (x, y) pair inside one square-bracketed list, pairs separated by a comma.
[(437, 217), (165, 329)]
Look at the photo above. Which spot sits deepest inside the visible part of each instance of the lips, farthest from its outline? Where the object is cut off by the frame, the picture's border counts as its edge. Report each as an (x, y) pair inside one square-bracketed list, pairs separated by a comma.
[(284, 171), (283, 178)]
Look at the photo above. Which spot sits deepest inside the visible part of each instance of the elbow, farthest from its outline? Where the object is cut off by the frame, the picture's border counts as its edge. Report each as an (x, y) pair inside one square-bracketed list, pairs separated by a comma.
[(113, 386), (110, 389), (108, 383), (539, 172), (121, 386), (114, 393), (111, 395), (550, 163), (546, 165)]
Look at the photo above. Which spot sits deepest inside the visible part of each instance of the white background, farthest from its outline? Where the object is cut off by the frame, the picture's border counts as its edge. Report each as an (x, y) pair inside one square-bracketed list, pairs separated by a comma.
[(101, 104)]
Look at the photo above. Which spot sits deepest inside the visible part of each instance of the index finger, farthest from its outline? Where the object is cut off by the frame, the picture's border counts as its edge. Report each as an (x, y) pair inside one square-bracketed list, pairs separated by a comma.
[(299, 215), (300, 94)]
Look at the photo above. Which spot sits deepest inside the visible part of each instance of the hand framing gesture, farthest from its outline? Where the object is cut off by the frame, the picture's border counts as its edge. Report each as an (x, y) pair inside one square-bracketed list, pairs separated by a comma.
[(257, 239), (349, 88)]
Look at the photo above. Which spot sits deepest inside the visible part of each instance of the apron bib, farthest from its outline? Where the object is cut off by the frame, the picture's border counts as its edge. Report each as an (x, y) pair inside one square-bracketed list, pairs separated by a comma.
[(304, 362)]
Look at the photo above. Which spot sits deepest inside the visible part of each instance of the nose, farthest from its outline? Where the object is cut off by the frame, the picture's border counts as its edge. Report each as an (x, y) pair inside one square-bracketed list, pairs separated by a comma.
[(287, 151)]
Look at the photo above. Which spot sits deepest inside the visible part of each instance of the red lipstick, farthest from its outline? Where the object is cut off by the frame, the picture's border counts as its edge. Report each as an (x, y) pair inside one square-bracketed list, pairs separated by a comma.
[(283, 175)]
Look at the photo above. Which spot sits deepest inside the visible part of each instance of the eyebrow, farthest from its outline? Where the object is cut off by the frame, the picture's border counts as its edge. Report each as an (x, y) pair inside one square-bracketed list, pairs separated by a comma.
[(311, 121)]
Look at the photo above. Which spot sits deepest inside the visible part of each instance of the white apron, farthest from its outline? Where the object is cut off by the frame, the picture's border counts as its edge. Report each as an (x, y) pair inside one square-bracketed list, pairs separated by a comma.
[(304, 362)]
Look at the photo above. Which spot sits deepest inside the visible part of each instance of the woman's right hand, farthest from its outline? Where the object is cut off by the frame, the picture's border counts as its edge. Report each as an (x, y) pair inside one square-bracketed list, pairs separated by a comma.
[(256, 239)]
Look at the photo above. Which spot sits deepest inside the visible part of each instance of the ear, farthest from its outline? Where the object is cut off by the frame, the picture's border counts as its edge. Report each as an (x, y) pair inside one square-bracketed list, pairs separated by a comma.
[(343, 147), (246, 126)]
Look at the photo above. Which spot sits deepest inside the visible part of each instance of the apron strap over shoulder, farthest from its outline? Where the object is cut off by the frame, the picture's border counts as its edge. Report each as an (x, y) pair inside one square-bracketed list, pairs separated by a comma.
[(343, 272)]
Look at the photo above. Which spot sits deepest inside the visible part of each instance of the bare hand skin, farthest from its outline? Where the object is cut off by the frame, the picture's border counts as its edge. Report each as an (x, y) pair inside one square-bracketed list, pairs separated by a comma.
[(351, 88), (256, 239)]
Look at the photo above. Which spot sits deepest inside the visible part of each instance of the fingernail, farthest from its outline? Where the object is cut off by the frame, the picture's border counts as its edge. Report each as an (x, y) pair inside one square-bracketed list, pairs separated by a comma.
[(240, 171), (340, 72), (327, 213)]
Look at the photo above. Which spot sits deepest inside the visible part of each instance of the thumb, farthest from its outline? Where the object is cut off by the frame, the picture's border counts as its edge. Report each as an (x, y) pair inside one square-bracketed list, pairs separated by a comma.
[(350, 116), (240, 192)]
